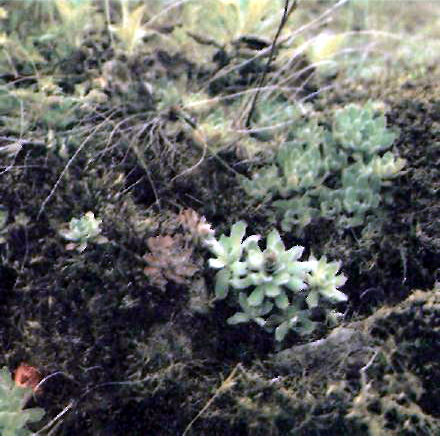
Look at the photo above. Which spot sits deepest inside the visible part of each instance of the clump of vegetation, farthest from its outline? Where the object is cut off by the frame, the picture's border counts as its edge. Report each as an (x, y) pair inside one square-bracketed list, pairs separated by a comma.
[(273, 287), (221, 24), (130, 30), (337, 174), (83, 231), (169, 260), (75, 21)]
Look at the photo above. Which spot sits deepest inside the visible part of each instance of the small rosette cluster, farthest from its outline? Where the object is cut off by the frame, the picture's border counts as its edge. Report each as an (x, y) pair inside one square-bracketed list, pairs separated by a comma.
[(82, 231), (358, 129), (272, 286)]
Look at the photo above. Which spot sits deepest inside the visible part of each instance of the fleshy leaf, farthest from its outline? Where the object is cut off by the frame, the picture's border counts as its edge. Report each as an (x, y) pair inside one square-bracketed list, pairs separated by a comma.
[(222, 283), (334, 294), (238, 231), (239, 268), (256, 297), (295, 284), (281, 331), (243, 283), (255, 259), (274, 241), (271, 290), (216, 263), (282, 301), (312, 299), (238, 318)]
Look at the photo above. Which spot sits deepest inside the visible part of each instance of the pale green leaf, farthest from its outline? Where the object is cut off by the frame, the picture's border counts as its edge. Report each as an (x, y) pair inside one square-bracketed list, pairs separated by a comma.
[(281, 331), (256, 297), (222, 283), (238, 318)]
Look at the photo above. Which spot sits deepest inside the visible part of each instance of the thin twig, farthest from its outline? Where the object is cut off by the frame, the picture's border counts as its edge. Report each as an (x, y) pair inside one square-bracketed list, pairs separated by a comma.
[(288, 9), (57, 418)]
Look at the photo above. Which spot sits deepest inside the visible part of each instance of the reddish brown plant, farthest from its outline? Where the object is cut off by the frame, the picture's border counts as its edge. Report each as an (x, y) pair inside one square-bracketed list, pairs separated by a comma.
[(195, 224), (169, 260), (27, 376)]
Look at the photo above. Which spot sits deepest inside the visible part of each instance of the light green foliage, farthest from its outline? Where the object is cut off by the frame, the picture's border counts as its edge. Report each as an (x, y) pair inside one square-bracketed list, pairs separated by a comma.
[(364, 135), (228, 251), (324, 281), (82, 231), (204, 26), (300, 165), (386, 166), (358, 130), (13, 418), (273, 287), (59, 24), (273, 118), (324, 50), (297, 211), (301, 161), (360, 192), (227, 20), (75, 15), (217, 127), (130, 30), (264, 184), (45, 104), (348, 155)]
